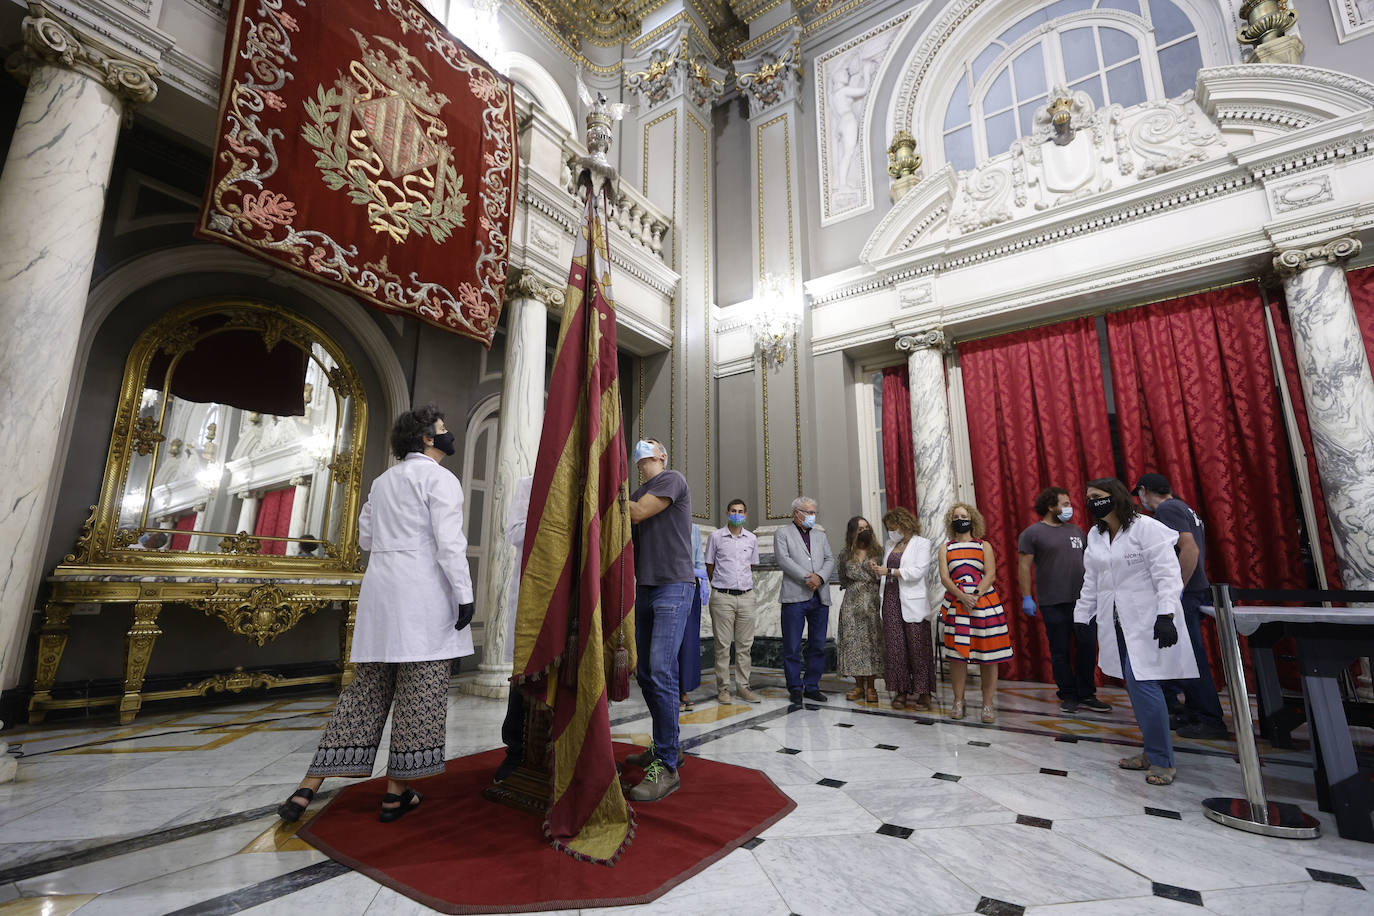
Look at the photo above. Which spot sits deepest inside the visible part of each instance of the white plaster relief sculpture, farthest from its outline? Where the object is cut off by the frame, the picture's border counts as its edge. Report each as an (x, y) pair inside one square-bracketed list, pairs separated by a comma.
[(1339, 391), (1353, 18), (930, 436), (1307, 191), (845, 75), (52, 191)]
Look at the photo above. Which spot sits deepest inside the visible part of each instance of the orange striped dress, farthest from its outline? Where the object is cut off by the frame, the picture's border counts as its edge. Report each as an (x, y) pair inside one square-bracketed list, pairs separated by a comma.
[(978, 635)]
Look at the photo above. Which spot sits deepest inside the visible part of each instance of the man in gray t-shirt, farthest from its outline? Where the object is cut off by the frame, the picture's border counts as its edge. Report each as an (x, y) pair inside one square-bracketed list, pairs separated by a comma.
[(1054, 546)]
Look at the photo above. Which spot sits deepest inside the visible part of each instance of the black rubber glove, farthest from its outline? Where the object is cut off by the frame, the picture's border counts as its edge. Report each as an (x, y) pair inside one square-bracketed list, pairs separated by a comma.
[(1165, 631), (465, 612)]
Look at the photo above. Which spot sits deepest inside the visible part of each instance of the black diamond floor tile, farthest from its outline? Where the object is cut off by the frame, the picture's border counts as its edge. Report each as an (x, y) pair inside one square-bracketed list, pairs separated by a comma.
[(1026, 820), (1181, 894), (1048, 772), (884, 747), (788, 750), (844, 725), (991, 906), (980, 744), (1331, 877), (1163, 812), (754, 843), (900, 833), (830, 783), (946, 776), (1067, 739)]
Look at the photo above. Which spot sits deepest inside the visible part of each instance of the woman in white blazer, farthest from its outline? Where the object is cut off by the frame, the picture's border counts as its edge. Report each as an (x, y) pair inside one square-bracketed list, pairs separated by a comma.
[(1132, 585), (413, 615), (908, 650)]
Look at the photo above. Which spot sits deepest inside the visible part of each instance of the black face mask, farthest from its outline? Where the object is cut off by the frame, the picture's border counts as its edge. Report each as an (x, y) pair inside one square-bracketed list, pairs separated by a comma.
[(1100, 507), (444, 442), (962, 525)]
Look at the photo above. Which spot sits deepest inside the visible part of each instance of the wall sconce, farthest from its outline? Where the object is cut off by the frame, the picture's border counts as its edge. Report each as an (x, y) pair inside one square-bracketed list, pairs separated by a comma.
[(777, 319)]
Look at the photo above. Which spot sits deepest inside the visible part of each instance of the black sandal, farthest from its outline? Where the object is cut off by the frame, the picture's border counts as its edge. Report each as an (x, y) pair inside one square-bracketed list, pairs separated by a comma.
[(291, 812), (408, 799)]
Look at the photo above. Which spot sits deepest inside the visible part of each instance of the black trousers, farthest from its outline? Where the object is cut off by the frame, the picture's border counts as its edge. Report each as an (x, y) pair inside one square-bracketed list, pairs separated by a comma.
[(513, 726), (1073, 670)]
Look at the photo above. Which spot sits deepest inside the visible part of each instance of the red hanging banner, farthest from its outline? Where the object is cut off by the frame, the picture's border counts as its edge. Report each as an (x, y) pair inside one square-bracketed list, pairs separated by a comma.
[(363, 146)]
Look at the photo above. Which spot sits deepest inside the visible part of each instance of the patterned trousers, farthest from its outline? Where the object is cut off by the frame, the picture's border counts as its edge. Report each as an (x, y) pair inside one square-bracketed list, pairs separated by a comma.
[(419, 719)]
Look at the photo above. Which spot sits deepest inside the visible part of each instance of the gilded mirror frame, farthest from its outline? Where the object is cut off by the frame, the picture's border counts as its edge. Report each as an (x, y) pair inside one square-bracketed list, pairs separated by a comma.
[(104, 544)]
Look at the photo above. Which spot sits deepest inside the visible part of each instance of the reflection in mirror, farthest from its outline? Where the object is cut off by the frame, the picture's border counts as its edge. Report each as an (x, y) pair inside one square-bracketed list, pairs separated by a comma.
[(235, 446)]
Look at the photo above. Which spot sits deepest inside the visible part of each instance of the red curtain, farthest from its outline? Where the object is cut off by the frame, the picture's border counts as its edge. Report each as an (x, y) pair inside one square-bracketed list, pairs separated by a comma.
[(899, 463), (1362, 294), (274, 519), (1196, 401), (1037, 417), (187, 522)]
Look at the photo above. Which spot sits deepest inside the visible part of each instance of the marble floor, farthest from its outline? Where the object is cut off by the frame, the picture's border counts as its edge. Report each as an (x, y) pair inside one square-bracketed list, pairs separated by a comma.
[(897, 812)]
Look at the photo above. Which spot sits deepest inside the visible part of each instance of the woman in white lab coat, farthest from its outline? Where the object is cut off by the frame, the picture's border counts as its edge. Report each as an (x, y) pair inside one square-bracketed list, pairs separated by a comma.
[(1132, 585), (413, 615)]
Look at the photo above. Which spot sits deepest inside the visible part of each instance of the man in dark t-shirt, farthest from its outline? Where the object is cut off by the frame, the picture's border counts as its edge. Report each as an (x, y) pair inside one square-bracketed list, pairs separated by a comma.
[(665, 581), (1054, 546), (1200, 716)]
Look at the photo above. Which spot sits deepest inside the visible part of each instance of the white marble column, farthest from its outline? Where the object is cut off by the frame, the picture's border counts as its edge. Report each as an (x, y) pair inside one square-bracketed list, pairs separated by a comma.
[(517, 442), (300, 505), (52, 194), (930, 435), (248, 511), (1339, 391)]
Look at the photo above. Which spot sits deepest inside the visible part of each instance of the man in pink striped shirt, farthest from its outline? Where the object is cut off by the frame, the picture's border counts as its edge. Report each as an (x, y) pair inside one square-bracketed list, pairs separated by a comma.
[(731, 555)]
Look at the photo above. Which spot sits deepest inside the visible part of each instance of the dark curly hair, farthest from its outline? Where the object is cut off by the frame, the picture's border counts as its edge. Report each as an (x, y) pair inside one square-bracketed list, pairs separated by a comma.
[(1048, 498), (410, 428)]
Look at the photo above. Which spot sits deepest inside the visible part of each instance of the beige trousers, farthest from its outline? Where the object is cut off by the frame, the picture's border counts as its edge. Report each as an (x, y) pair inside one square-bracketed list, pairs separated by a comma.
[(732, 619)]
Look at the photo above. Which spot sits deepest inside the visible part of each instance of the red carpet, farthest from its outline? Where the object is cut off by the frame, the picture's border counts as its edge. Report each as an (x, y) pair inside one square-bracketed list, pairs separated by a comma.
[(460, 853)]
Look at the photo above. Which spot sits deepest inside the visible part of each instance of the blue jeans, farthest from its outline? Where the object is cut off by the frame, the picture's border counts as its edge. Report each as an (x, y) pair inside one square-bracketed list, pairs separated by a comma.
[(660, 618), (1200, 701), (1147, 702), (816, 617)]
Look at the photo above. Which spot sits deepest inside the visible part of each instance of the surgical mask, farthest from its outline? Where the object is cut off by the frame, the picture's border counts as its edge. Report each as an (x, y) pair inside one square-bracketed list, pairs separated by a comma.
[(644, 450), (962, 525), (809, 520), (1066, 513), (1100, 507), (736, 518), (444, 443), (893, 535)]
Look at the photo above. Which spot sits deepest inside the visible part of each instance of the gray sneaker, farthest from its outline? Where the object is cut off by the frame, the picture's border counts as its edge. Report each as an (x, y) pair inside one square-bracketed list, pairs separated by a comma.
[(645, 758), (748, 695), (659, 782)]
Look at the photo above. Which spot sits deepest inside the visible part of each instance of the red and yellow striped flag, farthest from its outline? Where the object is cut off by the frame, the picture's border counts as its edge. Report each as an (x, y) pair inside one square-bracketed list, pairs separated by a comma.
[(577, 584)]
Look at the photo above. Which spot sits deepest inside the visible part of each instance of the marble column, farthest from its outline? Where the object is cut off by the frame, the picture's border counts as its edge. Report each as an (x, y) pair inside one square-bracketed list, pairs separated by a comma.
[(517, 442), (300, 505), (930, 434), (52, 194), (1339, 392), (248, 511)]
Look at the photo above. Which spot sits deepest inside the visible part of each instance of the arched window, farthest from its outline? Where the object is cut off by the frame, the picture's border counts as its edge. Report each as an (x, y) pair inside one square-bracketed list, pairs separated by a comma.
[(1120, 52)]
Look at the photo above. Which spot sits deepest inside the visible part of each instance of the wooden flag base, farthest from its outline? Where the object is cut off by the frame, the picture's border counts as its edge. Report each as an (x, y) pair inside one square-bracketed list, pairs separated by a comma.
[(529, 787)]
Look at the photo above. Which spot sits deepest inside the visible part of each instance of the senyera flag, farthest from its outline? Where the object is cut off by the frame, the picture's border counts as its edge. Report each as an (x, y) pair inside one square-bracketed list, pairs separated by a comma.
[(577, 586), (363, 146)]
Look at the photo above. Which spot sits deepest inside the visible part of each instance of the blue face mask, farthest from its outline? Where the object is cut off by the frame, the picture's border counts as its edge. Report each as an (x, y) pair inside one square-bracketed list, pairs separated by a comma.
[(1066, 513), (644, 450), (736, 518), (810, 520)]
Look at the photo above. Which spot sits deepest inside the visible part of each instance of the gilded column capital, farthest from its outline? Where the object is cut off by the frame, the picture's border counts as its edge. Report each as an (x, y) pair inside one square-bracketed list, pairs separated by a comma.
[(1293, 260), (49, 39), (675, 68), (933, 339), (526, 284), (773, 76)]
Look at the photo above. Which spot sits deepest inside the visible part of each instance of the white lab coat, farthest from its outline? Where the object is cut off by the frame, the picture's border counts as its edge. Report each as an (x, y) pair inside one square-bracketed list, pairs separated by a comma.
[(911, 581), (417, 573), (515, 534), (1138, 575)]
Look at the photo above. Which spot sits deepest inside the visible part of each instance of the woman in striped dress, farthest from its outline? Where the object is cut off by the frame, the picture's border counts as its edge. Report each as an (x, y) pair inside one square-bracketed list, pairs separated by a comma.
[(975, 626)]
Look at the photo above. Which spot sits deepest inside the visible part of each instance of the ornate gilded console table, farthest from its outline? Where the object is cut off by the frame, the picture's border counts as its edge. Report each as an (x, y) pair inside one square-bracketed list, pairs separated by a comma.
[(257, 608)]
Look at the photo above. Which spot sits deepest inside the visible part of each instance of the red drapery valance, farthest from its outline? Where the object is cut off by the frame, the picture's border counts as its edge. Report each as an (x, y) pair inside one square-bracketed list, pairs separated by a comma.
[(899, 466), (1196, 401), (1037, 417)]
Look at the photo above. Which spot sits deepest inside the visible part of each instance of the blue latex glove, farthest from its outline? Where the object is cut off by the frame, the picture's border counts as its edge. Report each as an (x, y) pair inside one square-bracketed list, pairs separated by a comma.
[(1028, 605)]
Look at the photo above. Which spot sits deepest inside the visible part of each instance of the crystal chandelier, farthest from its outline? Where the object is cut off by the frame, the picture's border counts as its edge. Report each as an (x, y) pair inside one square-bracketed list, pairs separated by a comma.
[(777, 319), (478, 25)]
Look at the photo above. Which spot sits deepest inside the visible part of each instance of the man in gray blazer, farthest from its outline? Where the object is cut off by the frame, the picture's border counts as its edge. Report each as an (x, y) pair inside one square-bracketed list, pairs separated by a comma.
[(804, 557)]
